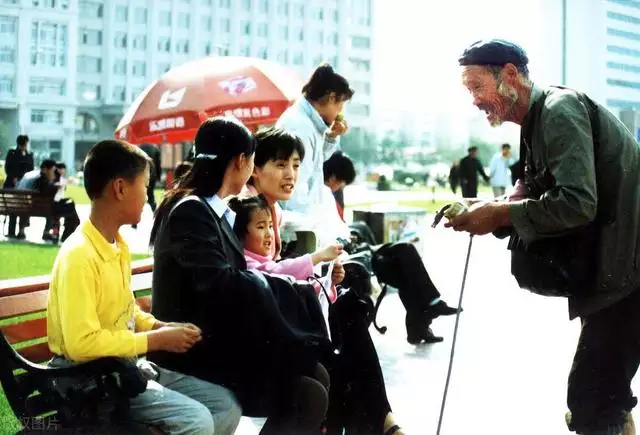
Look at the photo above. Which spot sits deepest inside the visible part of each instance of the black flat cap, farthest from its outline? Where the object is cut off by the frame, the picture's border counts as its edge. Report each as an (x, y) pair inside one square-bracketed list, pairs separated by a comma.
[(494, 52)]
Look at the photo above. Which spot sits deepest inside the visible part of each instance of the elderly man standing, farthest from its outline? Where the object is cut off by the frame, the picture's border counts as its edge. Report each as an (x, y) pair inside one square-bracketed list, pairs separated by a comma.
[(581, 183)]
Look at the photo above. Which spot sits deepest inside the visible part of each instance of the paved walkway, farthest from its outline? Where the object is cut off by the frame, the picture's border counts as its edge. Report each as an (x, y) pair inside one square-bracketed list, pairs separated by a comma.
[(513, 353)]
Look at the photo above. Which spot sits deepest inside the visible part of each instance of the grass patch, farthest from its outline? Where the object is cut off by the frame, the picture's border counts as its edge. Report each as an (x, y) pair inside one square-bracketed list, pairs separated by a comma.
[(27, 259)]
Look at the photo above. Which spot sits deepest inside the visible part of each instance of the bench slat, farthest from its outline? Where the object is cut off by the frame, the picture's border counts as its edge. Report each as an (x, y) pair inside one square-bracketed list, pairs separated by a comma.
[(30, 284), (36, 353), (37, 328), (24, 331), (23, 304)]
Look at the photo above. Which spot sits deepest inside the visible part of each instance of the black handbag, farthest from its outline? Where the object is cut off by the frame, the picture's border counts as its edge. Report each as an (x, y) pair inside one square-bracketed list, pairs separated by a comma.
[(563, 265)]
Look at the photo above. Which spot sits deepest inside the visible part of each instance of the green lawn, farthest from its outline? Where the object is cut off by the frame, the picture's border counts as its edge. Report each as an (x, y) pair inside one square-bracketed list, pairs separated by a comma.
[(27, 259)]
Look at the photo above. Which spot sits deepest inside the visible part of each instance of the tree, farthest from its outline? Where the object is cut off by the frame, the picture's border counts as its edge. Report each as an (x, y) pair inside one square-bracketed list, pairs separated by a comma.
[(361, 145)]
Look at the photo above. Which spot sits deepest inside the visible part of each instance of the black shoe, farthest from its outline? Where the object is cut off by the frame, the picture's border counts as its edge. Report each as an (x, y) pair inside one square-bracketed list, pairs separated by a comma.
[(441, 309), (21, 236), (427, 336), (418, 330)]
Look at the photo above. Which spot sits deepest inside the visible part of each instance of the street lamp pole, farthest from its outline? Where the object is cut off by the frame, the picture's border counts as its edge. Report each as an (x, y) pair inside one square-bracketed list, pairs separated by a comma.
[(564, 42)]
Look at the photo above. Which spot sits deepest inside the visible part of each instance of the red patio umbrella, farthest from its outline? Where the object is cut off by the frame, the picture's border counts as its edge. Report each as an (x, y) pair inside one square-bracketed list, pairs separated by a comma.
[(171, 109)]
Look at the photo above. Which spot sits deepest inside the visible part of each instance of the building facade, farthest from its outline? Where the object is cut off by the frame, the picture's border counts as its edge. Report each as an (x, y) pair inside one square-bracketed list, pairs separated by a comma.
[(69, 69)]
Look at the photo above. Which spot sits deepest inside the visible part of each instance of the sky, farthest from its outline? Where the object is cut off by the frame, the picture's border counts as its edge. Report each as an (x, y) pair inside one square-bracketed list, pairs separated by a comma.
[(417, 43)]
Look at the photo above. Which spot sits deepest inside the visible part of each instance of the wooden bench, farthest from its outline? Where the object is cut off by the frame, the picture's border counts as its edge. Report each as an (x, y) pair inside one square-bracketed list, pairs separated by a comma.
[(23, 327), (28, 203)]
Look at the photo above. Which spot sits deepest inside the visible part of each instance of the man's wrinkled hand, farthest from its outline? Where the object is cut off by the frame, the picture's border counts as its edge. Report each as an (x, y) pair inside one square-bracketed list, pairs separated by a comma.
[(481, 218)]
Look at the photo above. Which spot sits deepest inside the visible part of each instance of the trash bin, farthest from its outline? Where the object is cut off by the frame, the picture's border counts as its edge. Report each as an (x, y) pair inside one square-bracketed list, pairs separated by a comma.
[(391, 223)]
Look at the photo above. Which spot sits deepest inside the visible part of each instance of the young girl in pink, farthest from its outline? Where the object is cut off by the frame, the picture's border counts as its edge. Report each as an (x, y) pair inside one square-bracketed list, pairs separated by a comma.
[(254, 227)]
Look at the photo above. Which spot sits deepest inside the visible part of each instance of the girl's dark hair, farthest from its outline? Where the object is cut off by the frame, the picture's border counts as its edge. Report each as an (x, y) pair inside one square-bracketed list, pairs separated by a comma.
[(244, 207), (323, 81), (276, 144), (217, 142)]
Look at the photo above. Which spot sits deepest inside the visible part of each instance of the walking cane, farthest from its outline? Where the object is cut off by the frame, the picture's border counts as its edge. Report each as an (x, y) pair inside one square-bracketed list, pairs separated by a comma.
[(437, 219)]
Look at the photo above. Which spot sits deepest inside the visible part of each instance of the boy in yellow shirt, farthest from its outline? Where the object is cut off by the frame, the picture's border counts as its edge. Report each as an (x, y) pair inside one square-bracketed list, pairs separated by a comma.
[(92, 312)]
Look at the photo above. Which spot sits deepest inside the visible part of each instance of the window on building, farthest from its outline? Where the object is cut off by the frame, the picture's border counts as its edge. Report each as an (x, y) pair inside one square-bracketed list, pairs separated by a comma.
[(165, 18), (360, 42), (163, 68), (263, 53), (184, 20), (246, 5), (43, 116), (206, 2), (140, 16), (283, 8), (299, 11), (284, 32), (225, 25), (88, 92), (336, 16), (283, 56), (301, 35), (264, 6), (139, 68), (246, 28), (8, 25), (120, 66), (298, 59), (90, 9), (245, 50), (53, 4), (224, 3), (263, 30), (49, 44), (319, 14), (623, 50), (320, 37), (359, 109), (140, 42), (623, 83), (623, 34), (119, 93), (164, 44), (7, 55), (86, 123), (360, 64), (206, 24), (89, 64), (90, 37), (135, 92), (182, 46), (121, 13), (120, 40), (6, 85)]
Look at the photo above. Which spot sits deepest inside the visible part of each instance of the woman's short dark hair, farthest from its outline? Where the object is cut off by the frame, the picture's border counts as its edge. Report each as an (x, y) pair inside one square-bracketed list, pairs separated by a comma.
[(276, 144), (341, 167), (244, 207), (323, 81), (217, 142), (111, 159)]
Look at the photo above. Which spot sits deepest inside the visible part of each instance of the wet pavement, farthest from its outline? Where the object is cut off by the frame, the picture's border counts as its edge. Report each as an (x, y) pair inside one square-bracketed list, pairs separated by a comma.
[(512, 357)]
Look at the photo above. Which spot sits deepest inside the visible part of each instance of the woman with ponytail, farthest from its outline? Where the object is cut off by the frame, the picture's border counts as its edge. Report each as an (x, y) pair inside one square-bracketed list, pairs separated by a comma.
[(249, 345)]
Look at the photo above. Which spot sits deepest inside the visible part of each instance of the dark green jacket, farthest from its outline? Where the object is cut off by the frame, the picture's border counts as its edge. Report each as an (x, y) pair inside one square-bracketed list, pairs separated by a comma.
[(562, 144)]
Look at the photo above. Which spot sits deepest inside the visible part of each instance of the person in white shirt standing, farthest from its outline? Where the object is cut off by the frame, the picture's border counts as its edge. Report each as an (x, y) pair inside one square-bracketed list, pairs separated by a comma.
[(316, 119), (500, 174)]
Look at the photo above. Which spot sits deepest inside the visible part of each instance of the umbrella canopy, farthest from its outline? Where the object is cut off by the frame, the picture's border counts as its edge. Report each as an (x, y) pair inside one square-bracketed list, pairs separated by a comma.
[(171, 109)]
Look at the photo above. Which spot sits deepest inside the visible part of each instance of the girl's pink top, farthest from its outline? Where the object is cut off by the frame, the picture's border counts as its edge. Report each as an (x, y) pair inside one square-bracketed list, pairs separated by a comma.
[(299, 268)]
